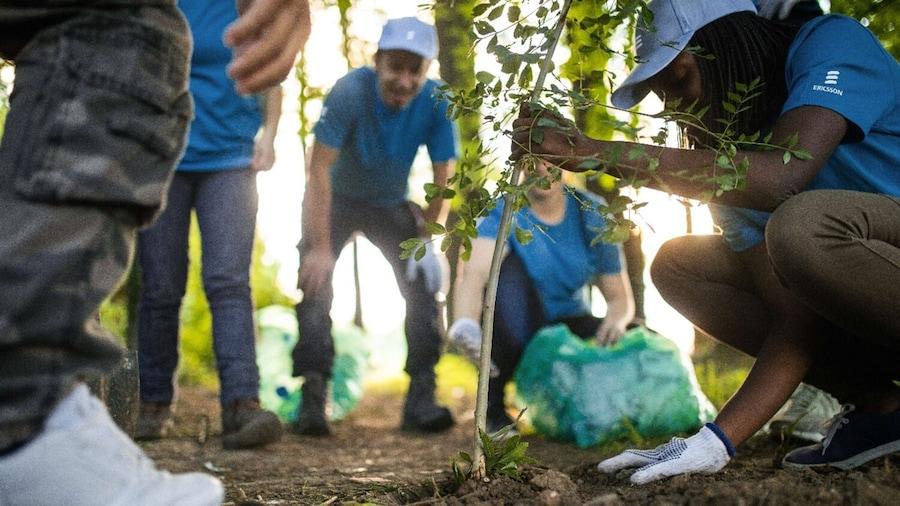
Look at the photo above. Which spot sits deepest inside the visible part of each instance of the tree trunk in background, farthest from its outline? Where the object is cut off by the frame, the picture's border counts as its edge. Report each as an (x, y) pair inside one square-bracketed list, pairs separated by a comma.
[(585, 70), (456, 57)]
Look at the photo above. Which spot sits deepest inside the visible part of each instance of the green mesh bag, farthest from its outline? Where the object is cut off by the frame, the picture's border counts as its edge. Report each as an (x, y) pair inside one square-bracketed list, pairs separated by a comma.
[(279, 391), (577, 391)]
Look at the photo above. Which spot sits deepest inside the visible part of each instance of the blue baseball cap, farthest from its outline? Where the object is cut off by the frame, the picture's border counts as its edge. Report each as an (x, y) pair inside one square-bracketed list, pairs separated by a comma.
[(409, 34), (674, 23)]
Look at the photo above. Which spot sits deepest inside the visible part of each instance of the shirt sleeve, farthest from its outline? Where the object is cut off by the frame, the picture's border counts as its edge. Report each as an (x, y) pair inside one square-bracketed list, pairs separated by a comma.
[(606, 258), (836, 63), (336, 120), (489, 226), (444, 137)]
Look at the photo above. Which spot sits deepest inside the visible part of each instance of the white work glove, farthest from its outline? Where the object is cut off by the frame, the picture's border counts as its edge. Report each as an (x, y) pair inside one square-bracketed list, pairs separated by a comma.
[(465, 334), (705, 452), (776, 9), (429, 267)]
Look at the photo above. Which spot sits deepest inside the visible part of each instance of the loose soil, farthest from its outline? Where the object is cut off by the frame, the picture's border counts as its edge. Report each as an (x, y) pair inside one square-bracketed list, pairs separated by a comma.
[(369, 460)]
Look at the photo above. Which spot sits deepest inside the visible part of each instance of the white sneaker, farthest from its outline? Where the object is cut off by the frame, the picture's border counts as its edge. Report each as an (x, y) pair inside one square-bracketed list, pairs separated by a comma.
[(82, 458), (806, 414)]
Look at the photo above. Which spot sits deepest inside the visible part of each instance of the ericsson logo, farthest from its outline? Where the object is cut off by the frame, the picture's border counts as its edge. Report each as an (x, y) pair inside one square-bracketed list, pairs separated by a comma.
[(831, 79)]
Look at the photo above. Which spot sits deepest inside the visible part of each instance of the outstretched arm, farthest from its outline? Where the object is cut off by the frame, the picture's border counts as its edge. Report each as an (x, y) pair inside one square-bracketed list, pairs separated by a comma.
[(264, 148), (472, 279), (266, 38), (318, 260), (616, 290), (685, 171), (437, 208)]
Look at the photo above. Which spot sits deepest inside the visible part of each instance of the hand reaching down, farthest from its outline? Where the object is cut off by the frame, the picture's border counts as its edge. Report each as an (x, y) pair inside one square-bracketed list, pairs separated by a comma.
[(705, 452)]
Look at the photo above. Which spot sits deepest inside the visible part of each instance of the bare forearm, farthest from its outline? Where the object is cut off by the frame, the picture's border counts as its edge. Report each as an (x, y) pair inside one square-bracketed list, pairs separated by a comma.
[(273, 100), (437, 209)]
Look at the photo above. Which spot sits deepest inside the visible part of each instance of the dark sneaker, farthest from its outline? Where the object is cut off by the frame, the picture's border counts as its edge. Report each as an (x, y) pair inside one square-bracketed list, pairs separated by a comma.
[(312, 420), (852, 440), (421, 413), (246, 425), (154, 421)]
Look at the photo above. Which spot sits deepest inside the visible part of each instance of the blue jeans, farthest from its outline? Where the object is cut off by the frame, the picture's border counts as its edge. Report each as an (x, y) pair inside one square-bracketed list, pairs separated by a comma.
[(517, 318), (226, 203)]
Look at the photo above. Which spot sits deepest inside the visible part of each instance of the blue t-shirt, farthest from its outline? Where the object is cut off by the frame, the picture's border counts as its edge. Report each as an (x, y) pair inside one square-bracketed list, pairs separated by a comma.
[(225, 123), (378, 145), (560, 259), (836, 63)]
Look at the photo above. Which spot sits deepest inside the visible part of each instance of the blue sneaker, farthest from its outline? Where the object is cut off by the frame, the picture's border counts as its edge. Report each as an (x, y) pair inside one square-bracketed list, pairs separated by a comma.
[(851, 441)]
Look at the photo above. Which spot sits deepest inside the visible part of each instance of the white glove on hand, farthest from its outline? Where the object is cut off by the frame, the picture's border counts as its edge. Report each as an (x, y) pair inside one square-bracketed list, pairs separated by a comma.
[(776, 9), (429, 267), (704, 452), (465, 334)]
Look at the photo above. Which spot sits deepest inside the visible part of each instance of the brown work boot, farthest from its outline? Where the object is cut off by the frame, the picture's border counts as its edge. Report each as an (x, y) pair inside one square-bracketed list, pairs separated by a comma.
[(246, 425), (312, 420), (154, 421)]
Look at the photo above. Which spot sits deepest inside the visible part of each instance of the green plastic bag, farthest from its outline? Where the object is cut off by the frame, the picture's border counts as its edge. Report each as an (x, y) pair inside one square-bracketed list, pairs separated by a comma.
[(279, 391), (577, 391)]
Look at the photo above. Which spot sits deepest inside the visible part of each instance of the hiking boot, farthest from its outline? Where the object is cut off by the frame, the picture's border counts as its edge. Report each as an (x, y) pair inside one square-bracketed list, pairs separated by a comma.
[(246, 425), (312, 420), (805, 414), (154, 421), (82, 458), (852, 440), (421, 413)]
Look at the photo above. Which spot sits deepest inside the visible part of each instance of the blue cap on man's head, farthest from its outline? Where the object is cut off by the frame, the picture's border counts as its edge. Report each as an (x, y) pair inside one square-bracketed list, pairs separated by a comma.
[(674, 23), (409, 34)]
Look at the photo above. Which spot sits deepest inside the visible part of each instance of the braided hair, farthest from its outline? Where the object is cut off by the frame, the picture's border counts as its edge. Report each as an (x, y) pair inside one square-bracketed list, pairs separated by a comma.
[(739, 48)]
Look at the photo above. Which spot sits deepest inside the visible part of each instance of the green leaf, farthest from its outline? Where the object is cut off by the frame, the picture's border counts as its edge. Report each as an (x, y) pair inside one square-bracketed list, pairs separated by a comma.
[(480, 9), (802, 154), (786, 157), (434, 228), (484, 77), (420, 253), (483, 27), (495, 13), (513, 13), (523, 236)]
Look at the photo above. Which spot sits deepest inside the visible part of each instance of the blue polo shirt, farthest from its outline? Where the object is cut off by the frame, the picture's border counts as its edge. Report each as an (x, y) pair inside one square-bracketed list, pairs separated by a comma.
[(836, 63), (225, 123), (378, 145), (560, 259)]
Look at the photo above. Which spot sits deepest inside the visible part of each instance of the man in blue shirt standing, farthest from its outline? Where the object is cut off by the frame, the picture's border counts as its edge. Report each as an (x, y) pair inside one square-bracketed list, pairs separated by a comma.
[(372, 124)]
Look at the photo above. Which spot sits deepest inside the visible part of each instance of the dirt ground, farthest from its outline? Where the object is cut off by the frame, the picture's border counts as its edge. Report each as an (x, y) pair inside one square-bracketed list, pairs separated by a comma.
[(369, 460)]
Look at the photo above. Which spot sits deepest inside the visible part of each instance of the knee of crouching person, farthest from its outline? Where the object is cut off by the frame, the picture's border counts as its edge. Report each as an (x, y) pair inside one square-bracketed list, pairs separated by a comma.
[(793, 231)]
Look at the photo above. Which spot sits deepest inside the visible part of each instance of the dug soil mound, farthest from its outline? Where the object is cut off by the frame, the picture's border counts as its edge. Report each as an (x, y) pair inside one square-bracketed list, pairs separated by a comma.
[(369, 460)]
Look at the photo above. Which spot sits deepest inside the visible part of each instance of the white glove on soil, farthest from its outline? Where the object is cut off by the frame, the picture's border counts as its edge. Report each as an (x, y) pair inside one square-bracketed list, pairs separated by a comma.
[(465, 334), (429, 267), (705, 452)]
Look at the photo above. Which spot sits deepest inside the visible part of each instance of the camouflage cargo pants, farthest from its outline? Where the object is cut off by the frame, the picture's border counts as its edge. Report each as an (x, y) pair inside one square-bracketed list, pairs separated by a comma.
[(97, 121)]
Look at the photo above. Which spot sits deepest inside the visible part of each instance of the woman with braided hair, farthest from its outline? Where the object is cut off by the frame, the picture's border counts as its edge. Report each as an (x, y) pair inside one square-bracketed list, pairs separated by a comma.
[(806, 278)]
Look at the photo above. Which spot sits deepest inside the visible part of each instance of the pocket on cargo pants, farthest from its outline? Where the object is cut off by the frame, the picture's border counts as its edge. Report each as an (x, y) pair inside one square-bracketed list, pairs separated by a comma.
[(109, 121)]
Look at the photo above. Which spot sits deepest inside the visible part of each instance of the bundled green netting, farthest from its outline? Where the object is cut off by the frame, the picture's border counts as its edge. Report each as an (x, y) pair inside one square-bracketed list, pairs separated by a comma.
[(279, 391), (577, 391)]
